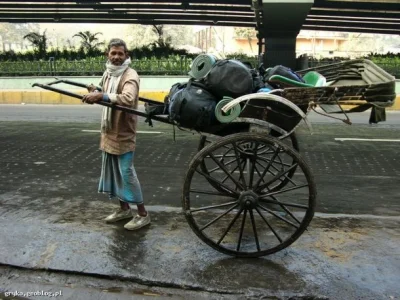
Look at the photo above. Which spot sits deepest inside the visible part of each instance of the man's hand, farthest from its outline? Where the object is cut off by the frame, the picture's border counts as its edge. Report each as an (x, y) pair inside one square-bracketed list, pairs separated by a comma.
[(91, 88), (92, 98)]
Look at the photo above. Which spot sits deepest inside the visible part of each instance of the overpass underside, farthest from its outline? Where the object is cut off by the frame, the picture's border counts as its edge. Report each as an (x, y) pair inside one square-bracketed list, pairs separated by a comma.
[(277, 21)]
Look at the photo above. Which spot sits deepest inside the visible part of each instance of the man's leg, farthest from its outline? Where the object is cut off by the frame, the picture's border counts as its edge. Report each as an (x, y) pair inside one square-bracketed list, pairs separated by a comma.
[(137, 192), (141, 210), (123, 213), (131, 181), (142, 218), (124, 205)]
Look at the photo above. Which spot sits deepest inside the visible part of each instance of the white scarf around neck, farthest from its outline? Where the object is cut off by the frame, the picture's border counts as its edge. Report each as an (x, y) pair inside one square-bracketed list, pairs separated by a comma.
[(114, 73)]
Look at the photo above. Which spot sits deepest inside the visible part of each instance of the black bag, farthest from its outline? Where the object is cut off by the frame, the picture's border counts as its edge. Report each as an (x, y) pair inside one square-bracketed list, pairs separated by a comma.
[(229, 78), (156, 109), (258, 82), (175, 88), (282, 71), (193, 106)]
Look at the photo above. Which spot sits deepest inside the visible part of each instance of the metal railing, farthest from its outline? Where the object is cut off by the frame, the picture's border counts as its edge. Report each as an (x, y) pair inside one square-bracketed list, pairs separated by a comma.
[(91, 68), (143, 67)]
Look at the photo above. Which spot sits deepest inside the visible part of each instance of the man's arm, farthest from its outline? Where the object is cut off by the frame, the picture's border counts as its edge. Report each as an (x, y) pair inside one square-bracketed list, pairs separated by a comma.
[(128, 96), (95, 96)]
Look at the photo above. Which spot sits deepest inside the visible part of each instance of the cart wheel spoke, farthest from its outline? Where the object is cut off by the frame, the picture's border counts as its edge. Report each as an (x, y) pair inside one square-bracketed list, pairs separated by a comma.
[(253, 224), (234, 203), (269, 226), (251, 170), (269, 171), (219, 217), (283, 191), (284, 181), (258, 172), (266, 170), (239, 164), (278, 216), (222, 155), (241, 230), (266, 184), (237, 183), (249, 175), (271, 164), (223, 187), (230, 226), (284, 203), (287, 211), (274, 162), (224, 164)]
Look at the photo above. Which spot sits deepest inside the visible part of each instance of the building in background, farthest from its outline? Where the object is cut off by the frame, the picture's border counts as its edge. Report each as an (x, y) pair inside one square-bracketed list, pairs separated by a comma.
[(319, 44)]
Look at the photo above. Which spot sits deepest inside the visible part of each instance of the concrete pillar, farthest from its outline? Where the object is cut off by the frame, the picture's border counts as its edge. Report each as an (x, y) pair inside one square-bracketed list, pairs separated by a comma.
[(281, 23), (280, 49)]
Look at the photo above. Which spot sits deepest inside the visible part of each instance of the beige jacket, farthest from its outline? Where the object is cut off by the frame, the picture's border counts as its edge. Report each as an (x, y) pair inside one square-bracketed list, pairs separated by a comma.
[(122, 136)]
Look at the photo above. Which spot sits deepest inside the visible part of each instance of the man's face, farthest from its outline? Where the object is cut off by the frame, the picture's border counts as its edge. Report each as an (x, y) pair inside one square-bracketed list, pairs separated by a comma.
[(117, 55)]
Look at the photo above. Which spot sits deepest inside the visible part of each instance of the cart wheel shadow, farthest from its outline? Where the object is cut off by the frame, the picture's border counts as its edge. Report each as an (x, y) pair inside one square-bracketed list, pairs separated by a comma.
[(252, 273)]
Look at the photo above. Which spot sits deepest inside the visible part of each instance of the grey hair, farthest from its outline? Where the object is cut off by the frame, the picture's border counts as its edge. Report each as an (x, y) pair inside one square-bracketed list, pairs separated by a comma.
[(117, 43)]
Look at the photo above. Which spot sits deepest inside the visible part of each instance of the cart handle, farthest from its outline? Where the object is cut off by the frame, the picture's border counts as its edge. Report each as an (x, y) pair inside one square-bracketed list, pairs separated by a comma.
[(104, 103), (73, 83), (47, 87)]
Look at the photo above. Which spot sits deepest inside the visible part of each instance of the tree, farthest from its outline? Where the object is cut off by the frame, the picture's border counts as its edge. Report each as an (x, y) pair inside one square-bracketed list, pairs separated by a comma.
[(179, 35), (140, 35), (89, 41), (248, 33), (360, 44), (176, 35), (163, 41), (12, 33), (38, 41)]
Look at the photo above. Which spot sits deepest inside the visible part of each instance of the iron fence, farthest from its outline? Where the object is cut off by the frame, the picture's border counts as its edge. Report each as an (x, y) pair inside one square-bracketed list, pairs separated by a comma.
[(91, 68), (143, 67)]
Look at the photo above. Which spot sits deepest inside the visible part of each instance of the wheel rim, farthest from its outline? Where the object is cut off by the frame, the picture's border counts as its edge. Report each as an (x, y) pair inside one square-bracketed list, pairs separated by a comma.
[(242, 212)]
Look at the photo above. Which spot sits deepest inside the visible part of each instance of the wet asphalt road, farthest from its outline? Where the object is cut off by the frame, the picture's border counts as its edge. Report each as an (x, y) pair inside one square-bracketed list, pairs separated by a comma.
[(50, 215)]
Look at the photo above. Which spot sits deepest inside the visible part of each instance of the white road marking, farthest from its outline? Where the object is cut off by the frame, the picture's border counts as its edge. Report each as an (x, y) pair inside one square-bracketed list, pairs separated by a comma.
[(98, 131), (164, 208), (367, 140)]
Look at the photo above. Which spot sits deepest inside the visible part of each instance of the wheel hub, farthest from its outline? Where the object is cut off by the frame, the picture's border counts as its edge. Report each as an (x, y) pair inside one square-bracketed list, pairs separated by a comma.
[(248, 200), (246, 150)]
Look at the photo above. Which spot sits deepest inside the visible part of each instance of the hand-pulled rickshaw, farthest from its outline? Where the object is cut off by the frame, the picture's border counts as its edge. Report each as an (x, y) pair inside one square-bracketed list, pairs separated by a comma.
[(248, 192)]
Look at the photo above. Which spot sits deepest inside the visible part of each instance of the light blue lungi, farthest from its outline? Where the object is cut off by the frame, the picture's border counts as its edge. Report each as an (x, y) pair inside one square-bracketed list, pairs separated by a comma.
[(118, 178)]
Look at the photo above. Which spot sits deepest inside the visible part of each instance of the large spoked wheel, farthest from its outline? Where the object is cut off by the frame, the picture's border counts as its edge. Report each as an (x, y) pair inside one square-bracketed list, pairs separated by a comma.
[(241, 213), (290, 140)]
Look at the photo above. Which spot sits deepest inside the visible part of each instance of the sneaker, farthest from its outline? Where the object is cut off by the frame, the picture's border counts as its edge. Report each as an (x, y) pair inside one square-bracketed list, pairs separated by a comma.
[(138, 222), (119, 215)]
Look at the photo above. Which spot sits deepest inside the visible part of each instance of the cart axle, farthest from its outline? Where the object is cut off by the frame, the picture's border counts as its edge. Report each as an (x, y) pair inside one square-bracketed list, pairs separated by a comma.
[(248, 200)]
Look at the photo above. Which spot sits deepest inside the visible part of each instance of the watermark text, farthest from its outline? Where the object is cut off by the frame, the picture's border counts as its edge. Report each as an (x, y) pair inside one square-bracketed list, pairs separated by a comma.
[(33, 293)]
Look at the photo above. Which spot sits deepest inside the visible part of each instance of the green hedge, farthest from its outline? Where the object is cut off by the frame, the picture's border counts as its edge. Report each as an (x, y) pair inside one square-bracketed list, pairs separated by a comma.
[(93, 66), (77, 63), (174, 65), (79, 54)]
